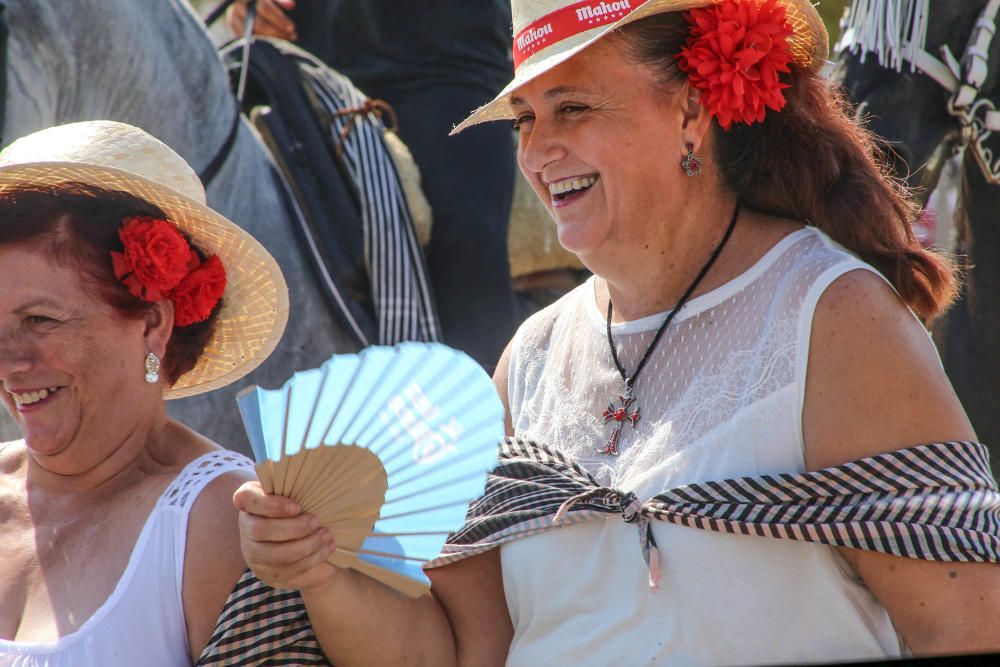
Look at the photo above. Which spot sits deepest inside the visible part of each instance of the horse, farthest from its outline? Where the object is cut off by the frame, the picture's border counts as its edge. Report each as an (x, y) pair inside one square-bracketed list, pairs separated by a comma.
[(925, 77), (150, 63)]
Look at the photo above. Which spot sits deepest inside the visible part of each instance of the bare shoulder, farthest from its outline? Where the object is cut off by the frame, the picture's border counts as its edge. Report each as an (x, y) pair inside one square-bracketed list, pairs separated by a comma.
[(761, 232), (874, 380), (12, 456), (213, 515), (213, 536), (216, 500), (12, 486), (755, 235), (875, 384), (213, 562)]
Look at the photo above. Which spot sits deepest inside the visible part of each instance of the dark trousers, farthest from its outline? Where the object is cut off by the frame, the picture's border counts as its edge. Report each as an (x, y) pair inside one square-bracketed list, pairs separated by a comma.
[(469, 181), (468, 178)]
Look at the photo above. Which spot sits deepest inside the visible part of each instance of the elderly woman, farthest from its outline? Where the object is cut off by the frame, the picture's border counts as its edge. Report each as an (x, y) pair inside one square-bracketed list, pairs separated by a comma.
[(751, 319), (121, 289)]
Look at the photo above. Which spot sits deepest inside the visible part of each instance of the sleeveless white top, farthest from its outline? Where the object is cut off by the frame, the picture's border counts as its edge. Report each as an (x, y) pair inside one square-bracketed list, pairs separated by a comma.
[(720, 397), (142, 622)]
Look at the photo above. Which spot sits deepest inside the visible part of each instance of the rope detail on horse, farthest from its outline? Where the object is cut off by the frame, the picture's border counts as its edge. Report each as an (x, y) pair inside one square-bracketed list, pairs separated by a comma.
[(379, 108), (896, 32)]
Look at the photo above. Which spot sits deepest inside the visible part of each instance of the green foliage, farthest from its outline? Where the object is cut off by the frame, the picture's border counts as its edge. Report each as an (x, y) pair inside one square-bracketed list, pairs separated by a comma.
[(831, 11)]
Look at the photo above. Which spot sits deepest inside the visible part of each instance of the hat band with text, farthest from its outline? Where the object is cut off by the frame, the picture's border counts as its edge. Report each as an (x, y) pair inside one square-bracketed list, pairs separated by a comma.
[(567, 22)]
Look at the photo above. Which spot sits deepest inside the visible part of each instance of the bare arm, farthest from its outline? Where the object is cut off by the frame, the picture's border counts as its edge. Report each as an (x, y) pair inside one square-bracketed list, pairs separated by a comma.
[(875, 384), (212, 563), (463, 621), (357, 620)]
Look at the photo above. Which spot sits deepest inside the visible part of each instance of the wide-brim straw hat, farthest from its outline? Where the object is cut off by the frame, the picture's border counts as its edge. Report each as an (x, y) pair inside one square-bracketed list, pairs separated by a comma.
[(116, 156), (550, 32)]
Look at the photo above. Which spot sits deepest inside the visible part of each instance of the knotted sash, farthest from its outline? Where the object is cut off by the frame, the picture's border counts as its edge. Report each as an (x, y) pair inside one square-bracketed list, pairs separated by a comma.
[(934, 502)]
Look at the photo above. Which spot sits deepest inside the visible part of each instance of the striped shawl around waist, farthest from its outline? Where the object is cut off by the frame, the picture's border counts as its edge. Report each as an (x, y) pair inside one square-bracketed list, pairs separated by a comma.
[(935, 502)]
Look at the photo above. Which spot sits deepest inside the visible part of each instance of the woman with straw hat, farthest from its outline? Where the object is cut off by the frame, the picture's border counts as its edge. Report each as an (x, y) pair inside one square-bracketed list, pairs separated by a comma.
[(735, 444), (120, 289)]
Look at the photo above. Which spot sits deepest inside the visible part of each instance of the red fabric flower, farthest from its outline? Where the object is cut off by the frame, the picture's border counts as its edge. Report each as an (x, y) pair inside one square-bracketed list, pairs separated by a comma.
[(155, 260), (197, 295), (734, 55)]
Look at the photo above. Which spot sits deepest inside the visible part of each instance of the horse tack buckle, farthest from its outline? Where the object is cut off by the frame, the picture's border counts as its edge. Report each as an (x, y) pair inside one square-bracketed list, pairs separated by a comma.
[(981, 131)]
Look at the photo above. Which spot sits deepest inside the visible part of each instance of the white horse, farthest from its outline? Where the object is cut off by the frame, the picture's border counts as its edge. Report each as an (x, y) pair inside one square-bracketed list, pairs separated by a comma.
[(150, 63)]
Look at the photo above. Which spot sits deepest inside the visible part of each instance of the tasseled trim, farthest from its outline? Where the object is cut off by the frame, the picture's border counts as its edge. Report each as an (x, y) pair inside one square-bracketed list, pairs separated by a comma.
[(654, 568), (894, 30)]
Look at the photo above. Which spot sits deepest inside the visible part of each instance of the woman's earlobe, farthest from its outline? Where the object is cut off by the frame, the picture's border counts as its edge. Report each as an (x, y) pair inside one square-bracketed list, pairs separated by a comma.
[(691, 100), (159, 325)]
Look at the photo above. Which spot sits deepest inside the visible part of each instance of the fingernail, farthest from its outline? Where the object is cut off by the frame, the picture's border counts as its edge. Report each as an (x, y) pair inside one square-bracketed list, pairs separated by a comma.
[(293, 508), (313, 523), (327, 538)]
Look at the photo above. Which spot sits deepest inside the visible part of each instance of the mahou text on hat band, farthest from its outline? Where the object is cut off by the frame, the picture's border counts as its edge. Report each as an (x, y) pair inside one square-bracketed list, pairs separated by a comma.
[(569, 21)]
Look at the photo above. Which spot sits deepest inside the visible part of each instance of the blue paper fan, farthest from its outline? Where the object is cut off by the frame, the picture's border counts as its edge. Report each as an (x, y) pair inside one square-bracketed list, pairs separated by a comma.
[(386, 448)]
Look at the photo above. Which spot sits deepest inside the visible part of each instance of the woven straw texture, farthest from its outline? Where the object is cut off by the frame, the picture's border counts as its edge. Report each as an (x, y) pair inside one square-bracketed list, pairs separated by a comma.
[(116, 156), (809, 43)]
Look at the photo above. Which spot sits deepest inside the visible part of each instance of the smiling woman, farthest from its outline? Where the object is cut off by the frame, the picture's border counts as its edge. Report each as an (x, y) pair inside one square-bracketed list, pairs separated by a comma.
[(717, 440), (119, 288)]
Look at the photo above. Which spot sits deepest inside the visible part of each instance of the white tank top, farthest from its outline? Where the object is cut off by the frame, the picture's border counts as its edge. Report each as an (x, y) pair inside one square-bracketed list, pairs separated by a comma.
[(720, 397), (142, 622)]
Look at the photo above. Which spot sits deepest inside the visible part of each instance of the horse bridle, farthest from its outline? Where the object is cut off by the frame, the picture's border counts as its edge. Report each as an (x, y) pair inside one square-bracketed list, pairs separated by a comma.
[(977, 115), (215, 164)]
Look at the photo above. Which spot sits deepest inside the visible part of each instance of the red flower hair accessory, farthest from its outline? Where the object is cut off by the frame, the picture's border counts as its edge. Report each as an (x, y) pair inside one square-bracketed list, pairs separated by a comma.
[(734, 54), (159, 263), (195, 297)]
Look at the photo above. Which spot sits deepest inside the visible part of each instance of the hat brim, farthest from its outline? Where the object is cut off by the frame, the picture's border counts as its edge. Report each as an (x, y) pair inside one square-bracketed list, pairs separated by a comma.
[(811, 54), (254, 307)]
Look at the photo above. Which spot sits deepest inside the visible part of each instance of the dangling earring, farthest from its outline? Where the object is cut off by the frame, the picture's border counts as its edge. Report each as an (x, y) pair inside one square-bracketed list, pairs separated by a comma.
[(152, 368), (692, 163)]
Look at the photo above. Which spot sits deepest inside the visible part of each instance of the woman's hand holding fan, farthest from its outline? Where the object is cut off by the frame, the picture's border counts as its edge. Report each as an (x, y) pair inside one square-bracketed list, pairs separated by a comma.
[(385, 448)]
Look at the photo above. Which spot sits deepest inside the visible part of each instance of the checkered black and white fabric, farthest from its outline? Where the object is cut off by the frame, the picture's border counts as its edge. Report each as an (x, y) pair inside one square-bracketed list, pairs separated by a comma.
[(261, 626)]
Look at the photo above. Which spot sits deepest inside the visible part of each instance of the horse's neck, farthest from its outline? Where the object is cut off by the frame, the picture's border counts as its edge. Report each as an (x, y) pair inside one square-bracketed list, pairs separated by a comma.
[(144, 62)]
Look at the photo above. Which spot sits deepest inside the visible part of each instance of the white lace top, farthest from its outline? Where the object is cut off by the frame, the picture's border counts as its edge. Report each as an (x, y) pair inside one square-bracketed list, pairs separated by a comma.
[(720, 397), (142, 622)]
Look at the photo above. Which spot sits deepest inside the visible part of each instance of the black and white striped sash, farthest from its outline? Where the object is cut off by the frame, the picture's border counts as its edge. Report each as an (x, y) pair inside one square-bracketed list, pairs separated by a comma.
[(401, 292), (935, 502)]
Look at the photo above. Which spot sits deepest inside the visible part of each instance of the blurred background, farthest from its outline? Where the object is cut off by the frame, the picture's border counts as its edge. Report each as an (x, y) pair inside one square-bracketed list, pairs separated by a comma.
[(830, 10)]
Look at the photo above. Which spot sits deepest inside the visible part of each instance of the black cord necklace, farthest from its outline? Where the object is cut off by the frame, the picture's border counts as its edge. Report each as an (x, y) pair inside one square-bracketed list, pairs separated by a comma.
[(628, 410)]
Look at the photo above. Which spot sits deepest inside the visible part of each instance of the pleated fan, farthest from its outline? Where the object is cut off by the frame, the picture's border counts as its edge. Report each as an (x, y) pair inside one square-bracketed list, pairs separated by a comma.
[(386, 448)]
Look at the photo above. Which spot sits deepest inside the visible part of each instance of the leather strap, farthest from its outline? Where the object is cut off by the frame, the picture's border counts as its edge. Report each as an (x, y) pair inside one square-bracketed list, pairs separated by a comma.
[(211, 171), (213, 15)]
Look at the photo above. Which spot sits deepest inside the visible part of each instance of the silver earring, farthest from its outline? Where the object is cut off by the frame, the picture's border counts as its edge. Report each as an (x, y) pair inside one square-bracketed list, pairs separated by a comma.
[(692, 163), (152, 368)]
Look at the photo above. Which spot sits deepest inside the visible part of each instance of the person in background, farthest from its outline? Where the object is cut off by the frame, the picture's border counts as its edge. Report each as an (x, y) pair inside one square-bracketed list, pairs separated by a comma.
[(121, 290), (433, 61), (736, 443)]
